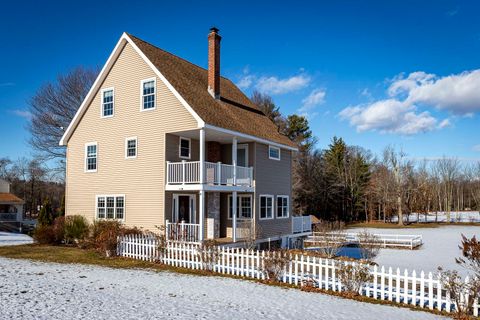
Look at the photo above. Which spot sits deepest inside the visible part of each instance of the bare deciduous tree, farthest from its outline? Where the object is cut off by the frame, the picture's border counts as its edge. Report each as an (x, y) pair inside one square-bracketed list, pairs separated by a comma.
[(53, 107)]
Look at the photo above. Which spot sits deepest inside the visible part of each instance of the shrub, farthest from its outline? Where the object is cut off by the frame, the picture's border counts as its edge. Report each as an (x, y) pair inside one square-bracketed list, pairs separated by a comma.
[(59, 229), (76, 229), (369, 245), (209, 254), (44, 234), (275, 263), (353, 276), (329, 237), (104, 236)]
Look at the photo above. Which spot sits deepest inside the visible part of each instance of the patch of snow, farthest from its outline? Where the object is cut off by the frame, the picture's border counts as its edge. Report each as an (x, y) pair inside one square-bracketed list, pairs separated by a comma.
[(455, 216), (440, 248), (36, 290), (11, 239)]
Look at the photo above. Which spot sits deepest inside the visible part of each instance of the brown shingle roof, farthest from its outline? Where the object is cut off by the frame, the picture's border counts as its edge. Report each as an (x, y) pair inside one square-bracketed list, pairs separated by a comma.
[(9, 198), (234, 111)]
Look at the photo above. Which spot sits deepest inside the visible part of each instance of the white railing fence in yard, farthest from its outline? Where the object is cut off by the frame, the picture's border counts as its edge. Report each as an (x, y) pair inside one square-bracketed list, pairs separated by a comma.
[(382, 240), (188, 172), (421, 290), (301, 224)]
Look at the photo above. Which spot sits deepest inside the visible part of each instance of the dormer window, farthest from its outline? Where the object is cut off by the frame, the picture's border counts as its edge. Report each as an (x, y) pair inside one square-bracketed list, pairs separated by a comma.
[(273, 153), (148, 94), (107, 102)]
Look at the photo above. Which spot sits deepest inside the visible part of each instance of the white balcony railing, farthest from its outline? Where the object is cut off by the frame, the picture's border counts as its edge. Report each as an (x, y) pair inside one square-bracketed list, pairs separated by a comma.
[(188, 172), (184, 232), (301, 224)]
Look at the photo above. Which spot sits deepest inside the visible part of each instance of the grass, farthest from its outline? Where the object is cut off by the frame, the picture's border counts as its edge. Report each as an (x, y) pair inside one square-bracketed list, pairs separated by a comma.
[(70, 254)]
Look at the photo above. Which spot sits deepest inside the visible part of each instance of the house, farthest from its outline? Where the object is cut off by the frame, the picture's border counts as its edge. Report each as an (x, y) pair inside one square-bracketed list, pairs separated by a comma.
[(160, 141), (11, 206)]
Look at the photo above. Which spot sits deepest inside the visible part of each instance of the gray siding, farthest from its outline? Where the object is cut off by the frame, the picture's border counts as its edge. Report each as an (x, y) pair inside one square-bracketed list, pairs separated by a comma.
[(272, 177)]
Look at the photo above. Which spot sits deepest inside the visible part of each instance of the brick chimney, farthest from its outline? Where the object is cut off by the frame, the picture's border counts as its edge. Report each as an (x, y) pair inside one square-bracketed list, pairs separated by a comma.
[(214, 63)]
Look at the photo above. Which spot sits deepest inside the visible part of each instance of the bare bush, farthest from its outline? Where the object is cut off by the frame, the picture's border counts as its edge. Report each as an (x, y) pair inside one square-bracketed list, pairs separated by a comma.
[(353, 276), (462, 292), (329, 237), (369, 245), (274, 264), (208, 253), (250, 233), (162, 243)]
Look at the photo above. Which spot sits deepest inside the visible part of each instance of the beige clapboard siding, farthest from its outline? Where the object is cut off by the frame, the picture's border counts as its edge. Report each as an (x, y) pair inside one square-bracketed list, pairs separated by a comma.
[(142, 180), (274, 178)]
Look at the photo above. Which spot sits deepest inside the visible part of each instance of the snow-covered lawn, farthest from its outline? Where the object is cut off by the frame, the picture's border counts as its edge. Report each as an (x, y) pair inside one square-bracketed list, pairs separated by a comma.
[(10, 239), (36, 290), (440, 248)]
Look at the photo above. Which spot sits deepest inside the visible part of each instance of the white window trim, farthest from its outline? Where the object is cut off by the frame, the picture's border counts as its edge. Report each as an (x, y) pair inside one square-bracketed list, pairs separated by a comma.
[(126, 147), (85, 168), (114, 207), (288, 206), (279, 153), (154, 79), (239, 205), (260, 206), (101, 102), (180, 148)]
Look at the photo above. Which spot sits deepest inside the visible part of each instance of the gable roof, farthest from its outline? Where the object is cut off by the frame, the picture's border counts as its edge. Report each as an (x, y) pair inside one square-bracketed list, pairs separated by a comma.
[(10, 198), (189, 82)]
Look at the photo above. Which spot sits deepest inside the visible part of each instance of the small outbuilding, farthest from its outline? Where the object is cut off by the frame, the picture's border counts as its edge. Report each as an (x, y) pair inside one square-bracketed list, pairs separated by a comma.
[(11, 206)]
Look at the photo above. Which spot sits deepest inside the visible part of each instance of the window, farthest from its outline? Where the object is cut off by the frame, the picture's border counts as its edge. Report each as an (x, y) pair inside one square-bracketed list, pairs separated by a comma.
[(91, 157), (111, 207), (244, 207), (273, 153), (266, 207), (131, 147), (107, 103), (148, 94), (184, 148), (282, 206)]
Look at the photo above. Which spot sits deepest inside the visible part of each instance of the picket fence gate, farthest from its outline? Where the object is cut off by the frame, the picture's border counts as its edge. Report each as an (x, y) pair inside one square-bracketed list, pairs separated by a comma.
[(421, 290)]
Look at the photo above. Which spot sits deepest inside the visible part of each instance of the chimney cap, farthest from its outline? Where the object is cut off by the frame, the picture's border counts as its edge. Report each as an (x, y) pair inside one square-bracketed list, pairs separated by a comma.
[(214, 29)]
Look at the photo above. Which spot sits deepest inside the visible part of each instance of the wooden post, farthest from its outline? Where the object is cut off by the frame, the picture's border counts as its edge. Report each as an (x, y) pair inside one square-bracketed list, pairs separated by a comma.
[(234, 216), (234, 160)]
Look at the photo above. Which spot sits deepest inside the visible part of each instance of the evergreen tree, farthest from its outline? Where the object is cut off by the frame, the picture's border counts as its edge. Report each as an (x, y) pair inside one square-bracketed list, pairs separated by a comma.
[(45, 217)]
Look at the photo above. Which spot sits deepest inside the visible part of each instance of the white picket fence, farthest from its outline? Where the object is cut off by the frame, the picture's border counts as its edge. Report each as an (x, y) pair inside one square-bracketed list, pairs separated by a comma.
[(422, 290)]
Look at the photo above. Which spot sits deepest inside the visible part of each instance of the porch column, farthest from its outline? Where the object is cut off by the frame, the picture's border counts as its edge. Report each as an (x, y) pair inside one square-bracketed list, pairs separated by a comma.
[(234, 160), (201, 212), (201, 203), (234, 216)]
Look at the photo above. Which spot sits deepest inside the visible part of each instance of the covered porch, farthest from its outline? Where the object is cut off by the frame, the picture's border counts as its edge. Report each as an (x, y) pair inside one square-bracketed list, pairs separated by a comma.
[(184, 220), (213, 167)]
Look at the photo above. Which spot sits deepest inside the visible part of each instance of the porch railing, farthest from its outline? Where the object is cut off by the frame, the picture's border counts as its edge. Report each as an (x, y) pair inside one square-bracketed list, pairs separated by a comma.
[(181, 231), (188, 172), (301, 224)]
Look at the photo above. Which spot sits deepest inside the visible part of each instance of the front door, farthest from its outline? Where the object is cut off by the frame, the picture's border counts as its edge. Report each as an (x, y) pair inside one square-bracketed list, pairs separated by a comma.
[(184, 208)]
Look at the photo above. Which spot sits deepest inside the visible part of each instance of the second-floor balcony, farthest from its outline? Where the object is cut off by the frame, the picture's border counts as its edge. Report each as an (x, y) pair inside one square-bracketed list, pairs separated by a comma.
[(215, 174)]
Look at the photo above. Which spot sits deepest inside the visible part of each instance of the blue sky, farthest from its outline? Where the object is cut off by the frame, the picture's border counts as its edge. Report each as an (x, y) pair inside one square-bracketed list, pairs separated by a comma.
[(373, 72)]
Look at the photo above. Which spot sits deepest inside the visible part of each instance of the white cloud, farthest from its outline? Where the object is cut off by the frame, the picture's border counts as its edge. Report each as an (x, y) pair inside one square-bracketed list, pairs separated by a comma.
[(458, 94), (23, 113), (388, 116), (476, 148), (444, 124), (246, 81), (315, 98), (275, 85)]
